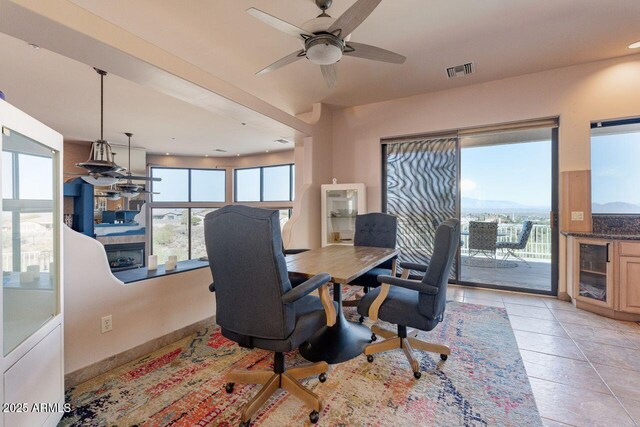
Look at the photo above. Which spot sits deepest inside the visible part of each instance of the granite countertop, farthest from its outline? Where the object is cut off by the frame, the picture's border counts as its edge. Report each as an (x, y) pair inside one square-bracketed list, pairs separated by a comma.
[(138, 274), (609, 236)]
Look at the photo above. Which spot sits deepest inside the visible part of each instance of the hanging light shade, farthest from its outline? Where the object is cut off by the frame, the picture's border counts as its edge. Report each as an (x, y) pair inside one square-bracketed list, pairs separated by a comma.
[(100, 181)]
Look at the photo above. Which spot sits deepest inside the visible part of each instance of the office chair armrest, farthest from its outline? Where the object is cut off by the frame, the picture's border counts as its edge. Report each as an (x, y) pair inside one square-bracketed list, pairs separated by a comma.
[(319, 282), (388, 281), (212, 287), (414, 285), (412, 266)]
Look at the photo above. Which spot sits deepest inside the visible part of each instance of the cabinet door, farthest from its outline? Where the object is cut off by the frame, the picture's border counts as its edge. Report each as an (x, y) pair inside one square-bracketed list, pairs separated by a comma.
[(630, 284), (593, 272)]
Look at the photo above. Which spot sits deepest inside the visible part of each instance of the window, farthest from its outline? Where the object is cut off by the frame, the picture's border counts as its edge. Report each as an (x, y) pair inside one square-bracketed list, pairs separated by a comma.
[(189, 185), (177, 213), (615, 176), (248, 185), (265, 184)]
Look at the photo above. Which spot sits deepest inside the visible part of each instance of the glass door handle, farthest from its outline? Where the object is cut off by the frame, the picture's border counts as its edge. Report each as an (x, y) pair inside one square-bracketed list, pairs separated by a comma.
[(608, 244)]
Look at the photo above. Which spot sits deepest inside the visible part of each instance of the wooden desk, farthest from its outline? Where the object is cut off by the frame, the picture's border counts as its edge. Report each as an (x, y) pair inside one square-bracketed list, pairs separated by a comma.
[(344, 340)]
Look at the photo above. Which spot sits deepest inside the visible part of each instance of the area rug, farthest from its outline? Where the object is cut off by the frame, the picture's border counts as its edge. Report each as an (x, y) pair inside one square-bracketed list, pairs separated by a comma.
[(483, 383)]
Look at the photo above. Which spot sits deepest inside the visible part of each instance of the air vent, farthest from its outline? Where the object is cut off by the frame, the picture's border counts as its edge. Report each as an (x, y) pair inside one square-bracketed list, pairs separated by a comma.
[(282, 141), (461, 70), (220, 150)]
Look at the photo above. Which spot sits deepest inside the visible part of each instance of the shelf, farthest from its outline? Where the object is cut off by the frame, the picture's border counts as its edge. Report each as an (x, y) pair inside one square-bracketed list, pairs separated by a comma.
[(600, 273)]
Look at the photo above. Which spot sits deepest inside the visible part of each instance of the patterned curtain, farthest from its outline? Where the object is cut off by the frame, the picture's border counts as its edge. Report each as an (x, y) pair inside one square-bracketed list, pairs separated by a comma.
[(422, 192)]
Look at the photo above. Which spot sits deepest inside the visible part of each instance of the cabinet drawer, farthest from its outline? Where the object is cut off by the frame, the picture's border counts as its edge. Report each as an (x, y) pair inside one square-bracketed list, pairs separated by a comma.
[(629, 249)]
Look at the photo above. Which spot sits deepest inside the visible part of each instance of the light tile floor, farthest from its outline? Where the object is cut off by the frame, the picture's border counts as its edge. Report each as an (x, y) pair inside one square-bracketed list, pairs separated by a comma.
[(584, 369)]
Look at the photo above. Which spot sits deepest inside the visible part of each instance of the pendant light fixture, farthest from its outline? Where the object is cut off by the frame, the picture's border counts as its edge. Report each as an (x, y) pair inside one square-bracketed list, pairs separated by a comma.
[(101, 157), (129, 189)]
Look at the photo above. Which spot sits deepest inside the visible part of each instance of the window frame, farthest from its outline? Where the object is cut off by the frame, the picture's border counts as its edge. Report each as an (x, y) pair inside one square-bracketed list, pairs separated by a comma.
[(604, 124), (262, 168)]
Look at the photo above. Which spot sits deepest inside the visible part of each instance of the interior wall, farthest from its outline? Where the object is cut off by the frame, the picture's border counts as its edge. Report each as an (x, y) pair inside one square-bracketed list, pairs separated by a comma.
[(141, 311), (313, 168), (578, 95)]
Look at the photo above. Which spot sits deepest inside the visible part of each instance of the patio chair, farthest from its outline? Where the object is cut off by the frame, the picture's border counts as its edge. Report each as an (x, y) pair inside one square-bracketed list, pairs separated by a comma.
[(483, 237), (510, 248)]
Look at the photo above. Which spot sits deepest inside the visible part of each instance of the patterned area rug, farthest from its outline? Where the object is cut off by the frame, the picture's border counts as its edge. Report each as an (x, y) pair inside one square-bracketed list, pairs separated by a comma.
[(482, 383)]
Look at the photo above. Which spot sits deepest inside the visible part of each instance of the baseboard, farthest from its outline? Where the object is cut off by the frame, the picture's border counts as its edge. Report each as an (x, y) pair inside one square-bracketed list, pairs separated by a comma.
[(84, 374)]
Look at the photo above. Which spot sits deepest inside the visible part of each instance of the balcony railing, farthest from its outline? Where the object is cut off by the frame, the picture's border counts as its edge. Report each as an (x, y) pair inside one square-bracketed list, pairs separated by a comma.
[(41, 258), (538, 246)]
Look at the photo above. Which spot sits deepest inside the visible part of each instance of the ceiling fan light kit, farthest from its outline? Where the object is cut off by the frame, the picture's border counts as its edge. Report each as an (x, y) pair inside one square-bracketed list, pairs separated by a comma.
[(326, 39), (324, 49)]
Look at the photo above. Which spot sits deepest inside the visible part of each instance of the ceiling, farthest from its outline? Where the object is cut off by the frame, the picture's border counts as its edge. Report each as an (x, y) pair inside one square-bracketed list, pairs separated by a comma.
[(503, 37), (65, 95)]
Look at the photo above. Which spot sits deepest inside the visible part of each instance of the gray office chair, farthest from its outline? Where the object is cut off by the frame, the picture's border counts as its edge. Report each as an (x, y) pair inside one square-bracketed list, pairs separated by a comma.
[(377, 230), (256, 306), (483, 237), (415, 303), (510, 248)]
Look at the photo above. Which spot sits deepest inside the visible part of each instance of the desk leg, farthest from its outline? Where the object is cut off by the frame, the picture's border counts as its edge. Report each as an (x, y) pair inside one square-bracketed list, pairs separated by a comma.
[(340, 342)]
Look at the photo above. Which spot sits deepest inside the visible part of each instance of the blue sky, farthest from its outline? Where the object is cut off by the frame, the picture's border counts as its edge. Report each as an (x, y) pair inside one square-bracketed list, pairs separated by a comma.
[(615, 164), (519, 173)]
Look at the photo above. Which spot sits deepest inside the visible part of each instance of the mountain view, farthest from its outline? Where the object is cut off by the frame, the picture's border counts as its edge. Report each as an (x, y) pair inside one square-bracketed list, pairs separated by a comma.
[(615, 207), (469, 204)]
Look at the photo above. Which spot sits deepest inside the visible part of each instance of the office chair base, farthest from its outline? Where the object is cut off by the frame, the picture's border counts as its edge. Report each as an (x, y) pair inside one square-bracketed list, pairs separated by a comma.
[(272, 381), (407, 344)]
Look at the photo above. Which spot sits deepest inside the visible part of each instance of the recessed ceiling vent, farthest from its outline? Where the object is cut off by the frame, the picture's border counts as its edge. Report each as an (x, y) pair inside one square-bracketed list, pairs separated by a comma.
[(461, 70), (282, 141), (220, 150)]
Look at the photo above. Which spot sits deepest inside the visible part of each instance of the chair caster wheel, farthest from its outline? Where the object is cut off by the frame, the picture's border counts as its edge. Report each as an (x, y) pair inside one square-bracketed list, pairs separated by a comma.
[(373, 337), (417, 375), (314, 417), (323, 377), (369, 358), (229, 388), (245, 424), (361, 319), (444, 357)]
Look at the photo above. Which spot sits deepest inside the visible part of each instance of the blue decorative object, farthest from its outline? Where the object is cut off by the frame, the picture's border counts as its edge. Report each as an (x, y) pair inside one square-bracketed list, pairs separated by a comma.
[(2, 95)]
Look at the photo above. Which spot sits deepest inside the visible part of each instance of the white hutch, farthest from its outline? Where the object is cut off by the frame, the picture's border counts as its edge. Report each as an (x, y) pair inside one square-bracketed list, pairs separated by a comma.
[(341, 203)]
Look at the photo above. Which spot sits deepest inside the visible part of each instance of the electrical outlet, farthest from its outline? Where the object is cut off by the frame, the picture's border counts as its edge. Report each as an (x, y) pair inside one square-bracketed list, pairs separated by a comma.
[(577, 216), (106, 323)]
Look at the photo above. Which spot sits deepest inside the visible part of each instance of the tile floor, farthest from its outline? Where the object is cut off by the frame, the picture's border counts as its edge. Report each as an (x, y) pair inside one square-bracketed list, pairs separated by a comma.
[(584, 369)]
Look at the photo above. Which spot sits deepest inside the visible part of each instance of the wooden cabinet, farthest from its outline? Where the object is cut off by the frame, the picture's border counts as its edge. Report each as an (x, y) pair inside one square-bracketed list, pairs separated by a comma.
[(630, 284), (606, 277)]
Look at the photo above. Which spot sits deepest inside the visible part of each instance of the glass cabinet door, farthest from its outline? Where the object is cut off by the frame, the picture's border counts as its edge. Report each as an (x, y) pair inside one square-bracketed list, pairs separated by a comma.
[(342, 209), (29, 230), (593, 271)]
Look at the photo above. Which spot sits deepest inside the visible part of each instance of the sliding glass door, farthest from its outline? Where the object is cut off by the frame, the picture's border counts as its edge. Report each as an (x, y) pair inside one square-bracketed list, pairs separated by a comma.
[(502, 185), (506, 184)]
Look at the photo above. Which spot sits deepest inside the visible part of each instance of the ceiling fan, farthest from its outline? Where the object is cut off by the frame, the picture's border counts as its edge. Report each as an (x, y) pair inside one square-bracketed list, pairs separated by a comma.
[(102, 168), (327, 39)]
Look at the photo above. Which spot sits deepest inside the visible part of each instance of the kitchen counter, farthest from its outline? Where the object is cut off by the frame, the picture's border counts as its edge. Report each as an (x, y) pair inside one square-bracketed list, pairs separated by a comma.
[(138, 274), (603, 236)]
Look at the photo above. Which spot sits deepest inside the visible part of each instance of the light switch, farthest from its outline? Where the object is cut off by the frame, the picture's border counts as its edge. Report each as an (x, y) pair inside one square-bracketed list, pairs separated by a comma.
[(577, 216)]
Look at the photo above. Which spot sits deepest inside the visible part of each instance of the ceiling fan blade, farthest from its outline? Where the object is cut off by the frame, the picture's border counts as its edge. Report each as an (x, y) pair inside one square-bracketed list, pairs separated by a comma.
[(353, 17), (289, 59), (330, 74), (279, 24), (366, 51)]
